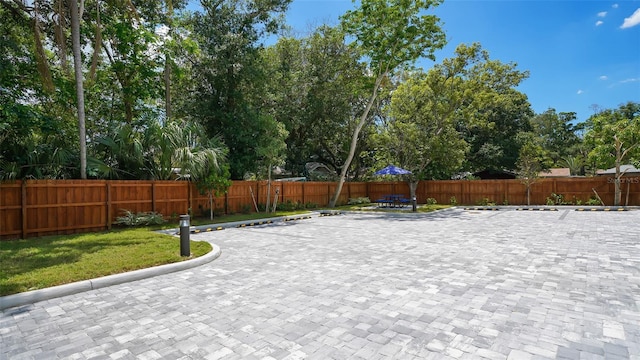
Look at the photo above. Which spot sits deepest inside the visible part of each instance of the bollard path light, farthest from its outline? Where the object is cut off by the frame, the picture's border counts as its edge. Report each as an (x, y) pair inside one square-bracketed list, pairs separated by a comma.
[(184, 235)]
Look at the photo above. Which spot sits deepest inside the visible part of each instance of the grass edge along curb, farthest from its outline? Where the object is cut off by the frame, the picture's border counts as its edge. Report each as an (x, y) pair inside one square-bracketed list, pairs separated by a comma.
[(30, 297)]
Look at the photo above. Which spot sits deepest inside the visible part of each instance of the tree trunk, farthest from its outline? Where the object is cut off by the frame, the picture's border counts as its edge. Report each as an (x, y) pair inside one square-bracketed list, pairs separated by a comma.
[(77, 64), (413, 186), (618, 192), (619, 155), (528, 194), (354, 142)]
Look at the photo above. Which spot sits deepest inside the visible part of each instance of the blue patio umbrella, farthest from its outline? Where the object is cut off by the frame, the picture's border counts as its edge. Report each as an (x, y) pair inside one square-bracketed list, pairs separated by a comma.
[(392, 170)]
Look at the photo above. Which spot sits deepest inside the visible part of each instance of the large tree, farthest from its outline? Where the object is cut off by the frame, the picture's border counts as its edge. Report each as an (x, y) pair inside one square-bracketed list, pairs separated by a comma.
[(390, 34), (314, 85), (430, 113), (227, 73), (614, 136), (557, 133)]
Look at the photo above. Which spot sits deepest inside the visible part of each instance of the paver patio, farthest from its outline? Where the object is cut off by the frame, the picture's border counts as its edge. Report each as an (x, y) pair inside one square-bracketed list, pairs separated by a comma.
[(455, 284)]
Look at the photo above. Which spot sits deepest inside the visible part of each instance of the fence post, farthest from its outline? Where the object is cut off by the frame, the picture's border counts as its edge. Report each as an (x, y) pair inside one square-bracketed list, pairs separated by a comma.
[(23, 203)]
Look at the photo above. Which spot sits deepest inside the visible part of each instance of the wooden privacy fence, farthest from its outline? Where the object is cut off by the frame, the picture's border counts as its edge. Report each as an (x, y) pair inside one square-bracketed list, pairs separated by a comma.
[(45, 207)]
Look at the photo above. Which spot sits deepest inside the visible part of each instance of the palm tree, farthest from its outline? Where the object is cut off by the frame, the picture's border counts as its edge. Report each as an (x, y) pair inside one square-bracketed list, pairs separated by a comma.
[(183, 147)]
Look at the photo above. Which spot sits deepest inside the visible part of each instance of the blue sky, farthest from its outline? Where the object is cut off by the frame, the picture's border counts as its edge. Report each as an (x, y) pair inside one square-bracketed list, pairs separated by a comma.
[(578, 52)]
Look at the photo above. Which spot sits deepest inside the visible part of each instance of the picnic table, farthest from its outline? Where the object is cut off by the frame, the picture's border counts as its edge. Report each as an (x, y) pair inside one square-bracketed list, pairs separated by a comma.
[(393, 200)]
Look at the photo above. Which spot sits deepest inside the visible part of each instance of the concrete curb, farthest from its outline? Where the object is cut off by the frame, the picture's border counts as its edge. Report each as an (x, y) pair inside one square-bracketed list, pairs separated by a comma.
[(31, 297)]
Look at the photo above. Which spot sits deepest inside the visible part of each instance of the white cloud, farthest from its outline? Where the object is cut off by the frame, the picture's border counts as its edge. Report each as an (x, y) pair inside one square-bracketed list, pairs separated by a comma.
[(615, 6), (629, 80), (598, 23), (580, 92), (602, 14), (603, 77), (632, 20)]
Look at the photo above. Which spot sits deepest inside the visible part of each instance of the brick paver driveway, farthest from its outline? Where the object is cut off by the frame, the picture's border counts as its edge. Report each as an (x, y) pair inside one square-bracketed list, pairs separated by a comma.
[(456, 284)]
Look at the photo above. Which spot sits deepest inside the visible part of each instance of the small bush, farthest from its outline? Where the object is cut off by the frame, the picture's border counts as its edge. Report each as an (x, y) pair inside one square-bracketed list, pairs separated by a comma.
[(140, 219), (486, 202), (453, 201), (557, 199), (593, 201), (431, 201), (358, 201), (289, 206), (505, 202)]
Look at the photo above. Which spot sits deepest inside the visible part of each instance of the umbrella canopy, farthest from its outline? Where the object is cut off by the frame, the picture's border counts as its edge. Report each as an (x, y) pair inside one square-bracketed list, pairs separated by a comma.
[(392, 170)]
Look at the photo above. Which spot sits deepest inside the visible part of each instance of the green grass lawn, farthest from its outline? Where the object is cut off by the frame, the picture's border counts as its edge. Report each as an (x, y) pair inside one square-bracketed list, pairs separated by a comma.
[(55, 260)]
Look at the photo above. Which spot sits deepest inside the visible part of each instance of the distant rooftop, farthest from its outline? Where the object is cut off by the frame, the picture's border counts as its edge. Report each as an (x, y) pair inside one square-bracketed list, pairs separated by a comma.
[(625, 169), (556, 172)]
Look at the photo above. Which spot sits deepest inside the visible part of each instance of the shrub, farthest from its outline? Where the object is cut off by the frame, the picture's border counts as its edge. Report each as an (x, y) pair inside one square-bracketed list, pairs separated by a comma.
[(358, 201), (557, 199), (486, 202), (140, 219), (289, 206), (593, 201), (453, 201), (431, 201)]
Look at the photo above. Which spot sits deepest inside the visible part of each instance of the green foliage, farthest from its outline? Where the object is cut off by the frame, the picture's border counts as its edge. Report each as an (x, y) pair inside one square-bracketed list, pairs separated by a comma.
[(486, 202), (226, 91), (155, 151), (614, 137), (394, 33), (427, 135), (139, 219), (358, 201), (431, 201), (593, 201), (557, 199), (556, 133), (314, 85), (531, 161), (453, 201), (214, 184)]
